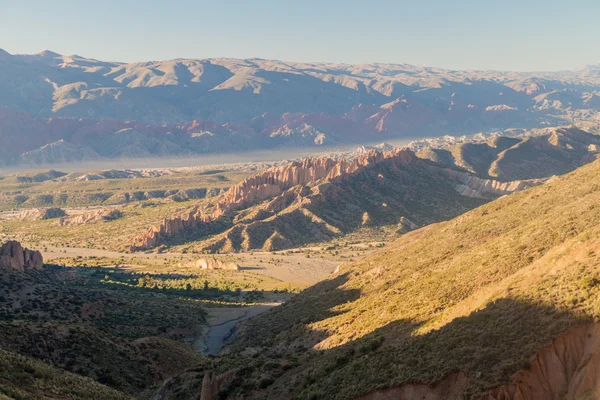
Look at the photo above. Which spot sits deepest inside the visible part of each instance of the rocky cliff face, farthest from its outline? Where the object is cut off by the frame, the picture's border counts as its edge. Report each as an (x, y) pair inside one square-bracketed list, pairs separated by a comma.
[(275, 181), (13, 255), (268, 185), (92, 217), (382, 184)]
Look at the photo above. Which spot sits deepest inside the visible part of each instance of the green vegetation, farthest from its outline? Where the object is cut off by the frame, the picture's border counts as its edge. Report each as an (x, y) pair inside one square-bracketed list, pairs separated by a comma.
[(23, 377), (125, 326), (175, 276), (121, 338)]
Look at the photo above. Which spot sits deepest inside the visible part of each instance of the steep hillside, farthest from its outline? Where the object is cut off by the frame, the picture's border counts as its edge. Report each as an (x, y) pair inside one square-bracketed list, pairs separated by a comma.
[(549, 152), (463, 304), (318, 199)]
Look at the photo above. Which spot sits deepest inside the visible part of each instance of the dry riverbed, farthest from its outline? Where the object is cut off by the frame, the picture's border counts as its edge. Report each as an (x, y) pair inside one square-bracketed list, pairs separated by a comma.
[(222, 325)]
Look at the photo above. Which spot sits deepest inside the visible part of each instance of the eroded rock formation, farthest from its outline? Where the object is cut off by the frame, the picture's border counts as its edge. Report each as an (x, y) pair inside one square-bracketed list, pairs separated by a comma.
[(95, 216), (472, 186), (13, 255), (270, 184), (312, 182), (450, 388), (214, 263), (212, 383), (567, 369), (42, 214)]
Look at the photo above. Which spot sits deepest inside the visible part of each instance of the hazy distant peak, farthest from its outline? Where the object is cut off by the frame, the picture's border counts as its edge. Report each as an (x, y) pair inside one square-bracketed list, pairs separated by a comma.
[(48, 54), (4, 54)]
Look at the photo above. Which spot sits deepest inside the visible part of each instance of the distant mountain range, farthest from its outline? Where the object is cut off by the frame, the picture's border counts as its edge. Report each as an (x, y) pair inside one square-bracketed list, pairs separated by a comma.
[(55, 107)]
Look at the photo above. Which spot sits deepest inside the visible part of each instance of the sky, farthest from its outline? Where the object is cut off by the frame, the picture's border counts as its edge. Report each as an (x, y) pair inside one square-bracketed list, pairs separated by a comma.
[(522, 35)]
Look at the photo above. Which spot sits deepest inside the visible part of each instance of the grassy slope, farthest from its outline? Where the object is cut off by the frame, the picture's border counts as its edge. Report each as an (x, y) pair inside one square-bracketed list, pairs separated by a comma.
[(26, 378), (478, 294)]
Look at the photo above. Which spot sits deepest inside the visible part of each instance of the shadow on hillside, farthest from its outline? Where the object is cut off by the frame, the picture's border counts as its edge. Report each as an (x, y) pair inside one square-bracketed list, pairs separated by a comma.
[(291, 318), (177, 285), (488, 345)]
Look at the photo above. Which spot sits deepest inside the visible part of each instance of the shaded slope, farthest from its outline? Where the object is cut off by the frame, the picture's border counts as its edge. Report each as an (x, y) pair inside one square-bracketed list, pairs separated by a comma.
[(26, 378), (553, 151), (558, 152), (479, 295)]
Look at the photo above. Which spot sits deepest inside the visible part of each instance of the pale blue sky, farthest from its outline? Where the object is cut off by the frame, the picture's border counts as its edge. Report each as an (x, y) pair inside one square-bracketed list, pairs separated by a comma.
[(503, 34)]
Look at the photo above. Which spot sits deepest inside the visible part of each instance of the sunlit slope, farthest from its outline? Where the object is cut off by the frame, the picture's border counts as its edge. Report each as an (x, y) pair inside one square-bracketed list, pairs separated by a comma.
[(479, 294)]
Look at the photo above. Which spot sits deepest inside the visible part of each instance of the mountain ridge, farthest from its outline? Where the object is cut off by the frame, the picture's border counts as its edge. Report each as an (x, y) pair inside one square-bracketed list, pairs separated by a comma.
[(317, 199), (257, 103)]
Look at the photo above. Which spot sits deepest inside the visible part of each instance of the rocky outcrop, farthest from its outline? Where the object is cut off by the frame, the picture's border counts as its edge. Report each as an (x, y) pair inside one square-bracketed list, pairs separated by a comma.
[(211, 384), (275, 181), (13, 255), (168, 227), (95, 216), (405, 225), (472, 186), (214, 263), (271, 184), (42, 214)]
